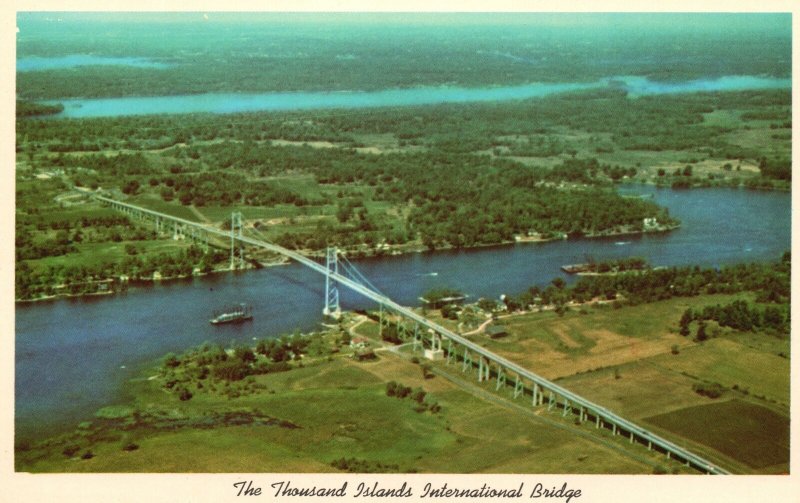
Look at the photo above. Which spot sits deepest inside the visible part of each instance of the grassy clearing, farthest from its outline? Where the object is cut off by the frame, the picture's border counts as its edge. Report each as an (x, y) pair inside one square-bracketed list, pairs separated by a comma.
[(731, 364), (562, 346), (94, 254), (635, 390), (341, 410), (155, 203), (747, 432), (75, 213)]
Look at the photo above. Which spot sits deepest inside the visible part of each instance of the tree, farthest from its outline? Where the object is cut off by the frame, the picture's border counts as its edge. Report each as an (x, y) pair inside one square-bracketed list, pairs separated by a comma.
[(773, 318), (701, 332), (487, 304), (343, 212), (231, 370), (245, 354), (687, 318), (131, 188), (171, 360), (71, 450), (450, 311)]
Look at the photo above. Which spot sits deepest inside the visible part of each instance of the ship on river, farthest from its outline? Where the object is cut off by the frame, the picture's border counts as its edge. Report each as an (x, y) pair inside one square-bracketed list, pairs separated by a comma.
[(236, 314)]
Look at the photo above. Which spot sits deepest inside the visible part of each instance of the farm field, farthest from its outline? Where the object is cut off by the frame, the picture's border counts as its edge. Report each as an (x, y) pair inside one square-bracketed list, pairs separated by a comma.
[(633, 361), (753, 434)]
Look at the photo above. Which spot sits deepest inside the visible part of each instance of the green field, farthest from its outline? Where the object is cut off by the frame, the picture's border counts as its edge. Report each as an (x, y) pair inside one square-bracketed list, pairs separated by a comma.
[(302, 420), (94, 254), (745, 431)]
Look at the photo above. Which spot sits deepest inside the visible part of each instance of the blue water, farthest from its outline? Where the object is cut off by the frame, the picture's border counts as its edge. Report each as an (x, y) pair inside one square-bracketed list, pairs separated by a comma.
[(223, 103), (36, 63), (73, 356), (641, 86)]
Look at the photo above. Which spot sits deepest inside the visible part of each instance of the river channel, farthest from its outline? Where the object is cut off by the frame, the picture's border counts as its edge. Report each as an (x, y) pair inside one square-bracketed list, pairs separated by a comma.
[(74, 356)]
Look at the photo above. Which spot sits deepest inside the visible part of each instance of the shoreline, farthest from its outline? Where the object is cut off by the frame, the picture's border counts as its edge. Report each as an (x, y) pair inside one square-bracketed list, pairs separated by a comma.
[(392, 250)]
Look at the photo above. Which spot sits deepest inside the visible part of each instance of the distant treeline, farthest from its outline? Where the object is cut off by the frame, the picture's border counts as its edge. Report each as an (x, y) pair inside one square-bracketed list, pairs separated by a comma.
[(298, 56), (771, 282), (30, 108)]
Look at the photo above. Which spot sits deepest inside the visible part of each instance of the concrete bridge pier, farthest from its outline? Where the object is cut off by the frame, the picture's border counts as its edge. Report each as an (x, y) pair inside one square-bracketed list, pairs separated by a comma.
[(467, 361), (380, 321), (501, 378), (403, 333), (519, 387), (417, 338), (435, 352)]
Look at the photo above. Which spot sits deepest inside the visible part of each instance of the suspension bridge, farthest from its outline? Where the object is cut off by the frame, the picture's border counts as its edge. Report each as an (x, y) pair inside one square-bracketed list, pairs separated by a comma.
[(427, 335)]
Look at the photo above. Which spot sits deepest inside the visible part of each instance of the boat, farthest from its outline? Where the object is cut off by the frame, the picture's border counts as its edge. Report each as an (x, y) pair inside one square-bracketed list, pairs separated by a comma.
[(236, 314), (576, 268)]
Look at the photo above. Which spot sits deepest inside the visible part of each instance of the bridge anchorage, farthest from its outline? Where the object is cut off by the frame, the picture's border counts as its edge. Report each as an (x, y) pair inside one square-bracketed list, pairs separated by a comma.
[(409, 326)]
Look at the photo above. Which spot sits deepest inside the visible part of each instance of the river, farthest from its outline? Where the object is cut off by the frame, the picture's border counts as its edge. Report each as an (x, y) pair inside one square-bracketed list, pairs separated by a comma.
[(223, 103), (74, 355)]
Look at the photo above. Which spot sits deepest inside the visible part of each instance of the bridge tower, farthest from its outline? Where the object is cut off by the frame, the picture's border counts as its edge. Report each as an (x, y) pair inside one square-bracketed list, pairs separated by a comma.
[(331, 291), (236, 231)]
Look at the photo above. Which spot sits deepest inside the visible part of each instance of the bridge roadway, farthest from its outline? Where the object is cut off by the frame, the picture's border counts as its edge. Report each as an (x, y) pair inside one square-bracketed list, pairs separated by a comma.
[(600, 413)]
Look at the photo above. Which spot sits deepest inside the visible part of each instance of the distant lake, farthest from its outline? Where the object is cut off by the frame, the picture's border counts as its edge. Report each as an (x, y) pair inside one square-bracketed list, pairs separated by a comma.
[(223, 103), (36, 63)]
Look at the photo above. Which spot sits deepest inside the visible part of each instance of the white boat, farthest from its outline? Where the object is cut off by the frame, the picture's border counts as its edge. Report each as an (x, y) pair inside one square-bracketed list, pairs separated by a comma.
[(237, 314)]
